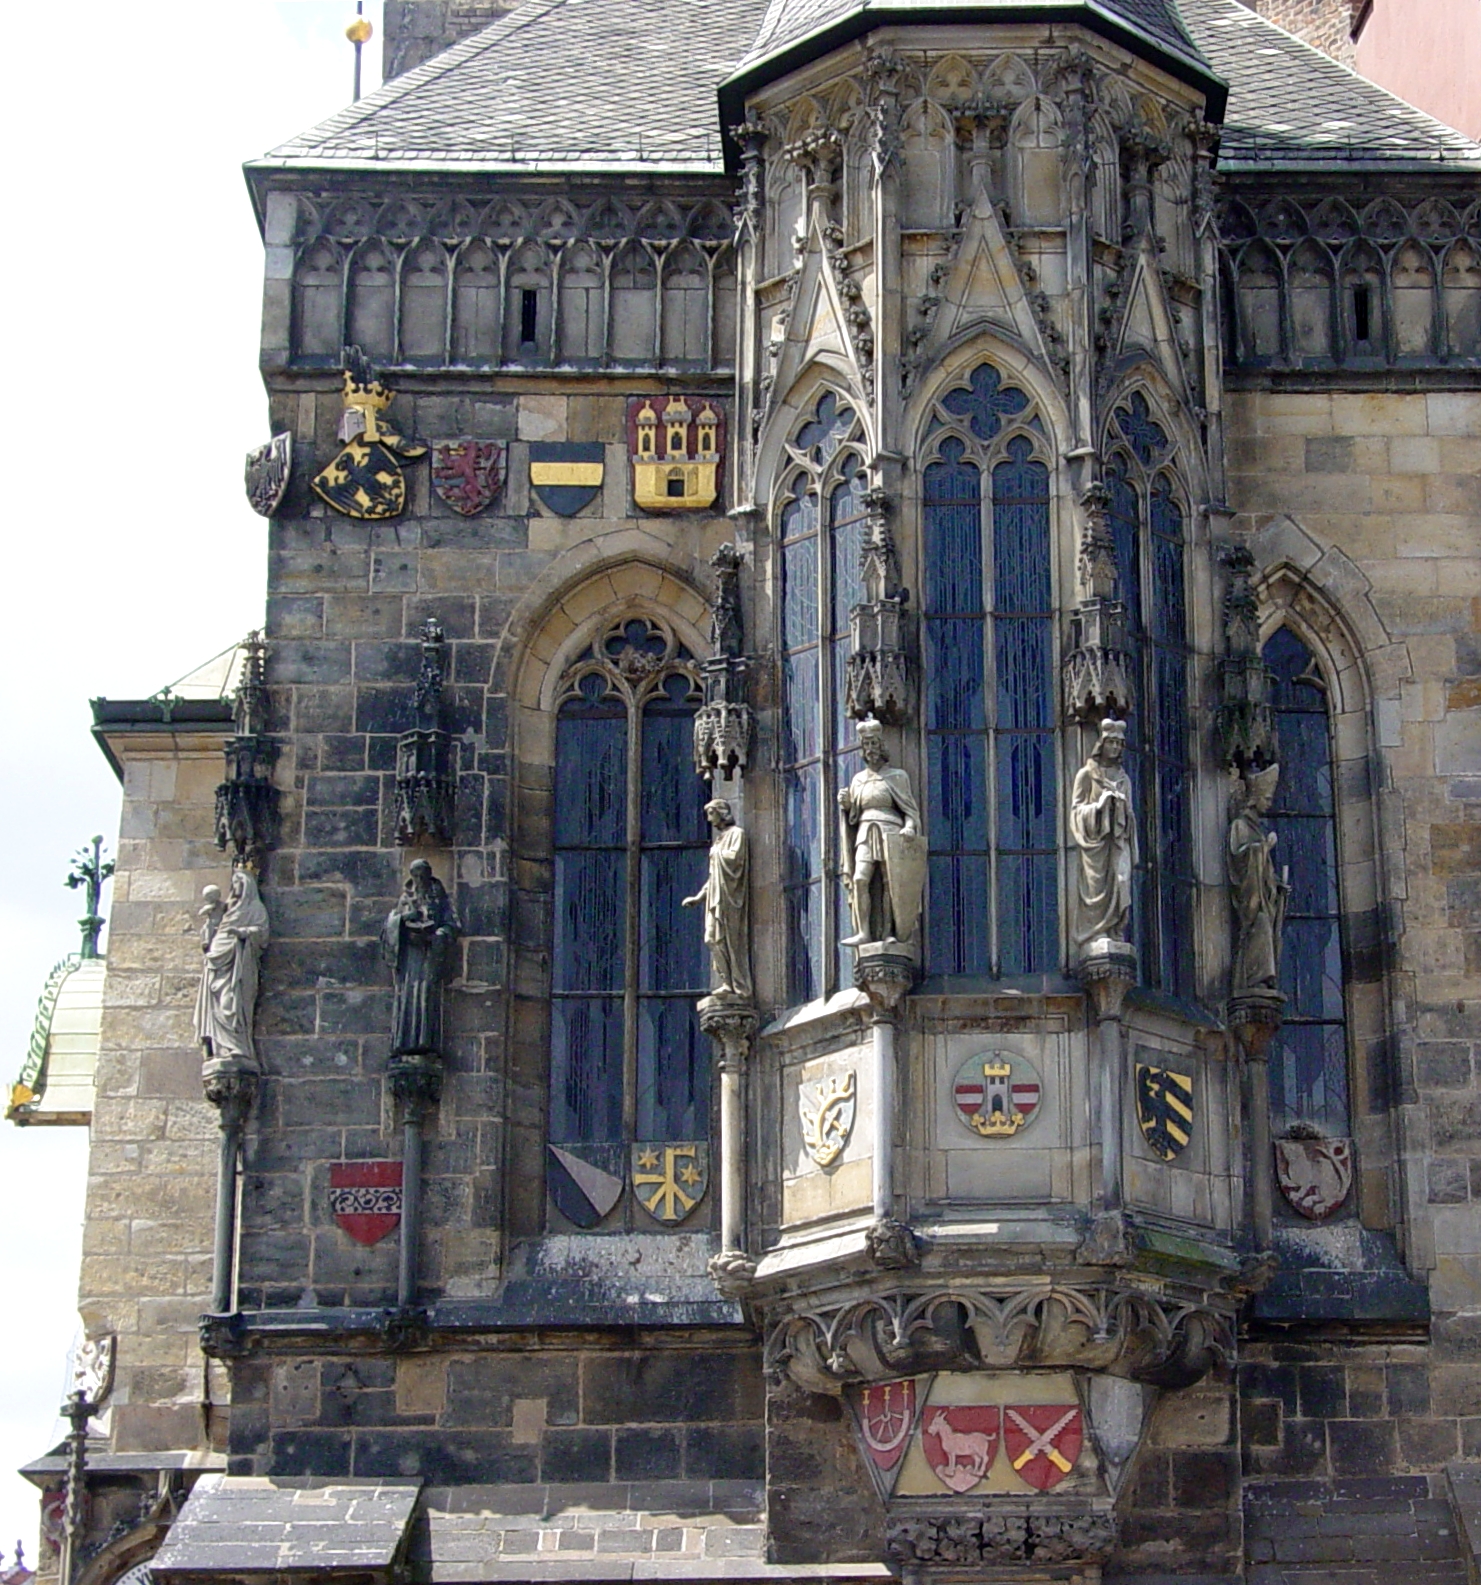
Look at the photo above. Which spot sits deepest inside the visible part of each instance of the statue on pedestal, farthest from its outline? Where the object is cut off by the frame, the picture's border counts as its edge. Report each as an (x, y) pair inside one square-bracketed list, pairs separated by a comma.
[(233, 935), (726, 896), (881, 832), (1256, 891), (1103, 827), (418, 936)]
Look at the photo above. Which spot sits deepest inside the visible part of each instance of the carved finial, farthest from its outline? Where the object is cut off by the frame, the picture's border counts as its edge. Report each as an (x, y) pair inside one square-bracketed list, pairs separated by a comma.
[(430, 677), (727, 635), (90, 870)]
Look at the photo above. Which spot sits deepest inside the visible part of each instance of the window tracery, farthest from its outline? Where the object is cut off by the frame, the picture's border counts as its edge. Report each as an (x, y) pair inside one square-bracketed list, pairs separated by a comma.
[(1148, 526), (991, 757), (820, 533), (627, 1063)]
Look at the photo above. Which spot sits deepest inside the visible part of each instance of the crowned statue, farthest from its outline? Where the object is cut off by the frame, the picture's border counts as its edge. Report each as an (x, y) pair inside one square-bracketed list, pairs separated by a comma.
[(883, 851)]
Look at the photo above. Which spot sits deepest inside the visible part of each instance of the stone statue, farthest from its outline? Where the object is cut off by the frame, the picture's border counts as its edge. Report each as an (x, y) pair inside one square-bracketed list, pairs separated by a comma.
[(233, 935), (881, 831), (1256, 891), (1103, 827), (418, 935), (726, 896)]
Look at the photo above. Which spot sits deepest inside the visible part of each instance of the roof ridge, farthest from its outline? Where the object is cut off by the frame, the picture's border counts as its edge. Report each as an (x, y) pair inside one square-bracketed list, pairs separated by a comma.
[(352, 115)]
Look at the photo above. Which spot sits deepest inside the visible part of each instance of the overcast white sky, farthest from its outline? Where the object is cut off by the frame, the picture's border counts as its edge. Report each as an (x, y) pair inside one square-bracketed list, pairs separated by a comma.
[(131, 395)]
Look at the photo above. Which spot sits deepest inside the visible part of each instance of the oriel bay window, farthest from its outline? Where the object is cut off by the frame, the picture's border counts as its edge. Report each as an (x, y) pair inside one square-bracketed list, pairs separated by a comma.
[(628, 1066), (1147, 523), (991, 753)]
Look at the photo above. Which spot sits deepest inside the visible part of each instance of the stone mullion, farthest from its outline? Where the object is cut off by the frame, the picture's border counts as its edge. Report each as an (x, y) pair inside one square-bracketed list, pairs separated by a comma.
[(660, 253), (557, 265), (631, 943)]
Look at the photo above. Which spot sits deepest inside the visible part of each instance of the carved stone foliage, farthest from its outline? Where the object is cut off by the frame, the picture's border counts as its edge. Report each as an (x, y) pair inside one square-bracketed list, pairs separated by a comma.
[(1116, 1326), (996, 1535), (1320, 281), (569, 282)]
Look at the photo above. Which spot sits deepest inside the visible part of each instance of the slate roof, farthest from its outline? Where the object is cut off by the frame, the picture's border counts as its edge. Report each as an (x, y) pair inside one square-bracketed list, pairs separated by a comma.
[(598, 85)]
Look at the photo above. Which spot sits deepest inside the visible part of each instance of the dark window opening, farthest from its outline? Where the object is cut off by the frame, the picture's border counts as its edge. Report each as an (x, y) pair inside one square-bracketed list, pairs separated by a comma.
[(1362, 322), (676, 484), (529, 307)]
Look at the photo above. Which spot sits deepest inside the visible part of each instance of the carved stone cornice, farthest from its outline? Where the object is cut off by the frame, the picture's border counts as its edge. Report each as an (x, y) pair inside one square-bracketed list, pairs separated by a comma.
[(998, 1534), (1119, 1324)]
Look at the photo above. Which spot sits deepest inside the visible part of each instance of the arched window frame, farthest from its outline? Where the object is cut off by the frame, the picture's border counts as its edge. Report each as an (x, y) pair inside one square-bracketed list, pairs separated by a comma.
[(1021, 436), (632, 662), (1161, 755), (818, 517)]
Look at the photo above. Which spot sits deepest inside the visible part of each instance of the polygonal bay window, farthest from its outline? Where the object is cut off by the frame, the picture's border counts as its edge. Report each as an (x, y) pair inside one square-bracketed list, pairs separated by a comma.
[(1148, 525), (991, 755), (628, 1065)]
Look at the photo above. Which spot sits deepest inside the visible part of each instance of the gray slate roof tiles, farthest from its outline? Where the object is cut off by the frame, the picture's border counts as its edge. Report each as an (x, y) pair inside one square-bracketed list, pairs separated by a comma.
[(606, 85)]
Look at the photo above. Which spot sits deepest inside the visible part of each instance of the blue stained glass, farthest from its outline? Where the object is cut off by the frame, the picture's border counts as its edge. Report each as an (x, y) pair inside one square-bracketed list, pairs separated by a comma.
[(956, 691), (957, 774), (1147, 438), (957, 916), (1311, 968), (847, 516), (586, 1069), (1028, 913), (801, 800), (590, 920), (800, 707), (953, 533), (1124, 512), (591, 751), (672, 955), (805, 940), (672, 804), (1023, 649), (825, 430), (673, 1099), (800, 593), (1026, 805), (985, 402), (1308, 1078)]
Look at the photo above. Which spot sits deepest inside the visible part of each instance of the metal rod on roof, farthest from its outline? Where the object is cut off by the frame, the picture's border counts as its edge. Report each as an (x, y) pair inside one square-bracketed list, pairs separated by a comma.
[(358, 33)]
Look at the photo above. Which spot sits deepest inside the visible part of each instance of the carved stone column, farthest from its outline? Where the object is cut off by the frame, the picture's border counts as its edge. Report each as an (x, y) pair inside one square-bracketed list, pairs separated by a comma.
[(415, 1082), (230, 1086), (885, 974), (1255, 1019), (733, 1028), (1107, 975)]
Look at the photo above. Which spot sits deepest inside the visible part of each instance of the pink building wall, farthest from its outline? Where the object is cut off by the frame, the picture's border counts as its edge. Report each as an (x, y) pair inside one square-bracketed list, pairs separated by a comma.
[(1428, 52)]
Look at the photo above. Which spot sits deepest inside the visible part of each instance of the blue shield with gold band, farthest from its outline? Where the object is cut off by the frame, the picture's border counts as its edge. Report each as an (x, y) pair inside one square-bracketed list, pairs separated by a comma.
[(566, 474)]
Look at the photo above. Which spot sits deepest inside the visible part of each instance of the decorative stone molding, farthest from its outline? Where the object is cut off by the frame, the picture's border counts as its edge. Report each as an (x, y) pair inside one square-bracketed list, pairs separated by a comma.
[(1115, 1325), (998, 1535)]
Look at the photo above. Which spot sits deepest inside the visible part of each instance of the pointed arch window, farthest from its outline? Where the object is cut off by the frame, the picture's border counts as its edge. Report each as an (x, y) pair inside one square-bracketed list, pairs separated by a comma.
[(1148, 525), (820, 529), (1308, 1063), (991, 756), (627, 1063)]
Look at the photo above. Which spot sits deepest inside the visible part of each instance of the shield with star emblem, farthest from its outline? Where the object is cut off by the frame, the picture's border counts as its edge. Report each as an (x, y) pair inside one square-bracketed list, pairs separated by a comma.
[(670, 1178), (467, 474)]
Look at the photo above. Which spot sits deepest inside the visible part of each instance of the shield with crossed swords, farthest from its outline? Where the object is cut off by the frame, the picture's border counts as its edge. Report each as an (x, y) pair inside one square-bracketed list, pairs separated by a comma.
[(1042, 1441)]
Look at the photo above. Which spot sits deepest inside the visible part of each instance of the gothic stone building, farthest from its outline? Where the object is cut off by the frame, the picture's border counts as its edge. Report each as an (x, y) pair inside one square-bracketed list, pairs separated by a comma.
[(1051, 1155)]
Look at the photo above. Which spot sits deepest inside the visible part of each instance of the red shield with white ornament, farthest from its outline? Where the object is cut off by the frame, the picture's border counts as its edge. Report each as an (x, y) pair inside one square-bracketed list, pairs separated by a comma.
[(467, 473), (1042, 1441), (960, 1441), (886, 1419), (365, 1197)]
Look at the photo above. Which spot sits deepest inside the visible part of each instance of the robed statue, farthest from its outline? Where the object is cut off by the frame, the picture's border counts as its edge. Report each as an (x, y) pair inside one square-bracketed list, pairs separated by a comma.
[(1256, 891), (881, 838), (233, 935), (1103, 827), (726, 896), (417, 940)]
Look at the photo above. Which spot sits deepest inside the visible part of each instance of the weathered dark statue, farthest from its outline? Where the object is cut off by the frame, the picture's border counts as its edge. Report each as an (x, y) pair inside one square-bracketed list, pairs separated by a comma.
[(417, 941), (1257, 893)]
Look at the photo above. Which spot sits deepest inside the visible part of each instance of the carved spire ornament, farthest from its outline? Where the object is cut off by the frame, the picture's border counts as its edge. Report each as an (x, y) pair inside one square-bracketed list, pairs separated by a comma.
[(1244, 726), (1098, 668), (723, 723), (426, 788), (878, 678), (247, 801)]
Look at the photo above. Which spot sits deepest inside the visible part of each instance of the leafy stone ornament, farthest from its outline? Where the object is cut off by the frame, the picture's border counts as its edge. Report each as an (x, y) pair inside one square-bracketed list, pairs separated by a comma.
[(882, 841), (365, 480), (269, 468), (726, 896)]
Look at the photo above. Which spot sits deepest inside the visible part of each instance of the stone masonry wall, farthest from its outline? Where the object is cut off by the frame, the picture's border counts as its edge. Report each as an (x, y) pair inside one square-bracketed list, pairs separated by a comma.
[(1375, 502), (146, 1265)]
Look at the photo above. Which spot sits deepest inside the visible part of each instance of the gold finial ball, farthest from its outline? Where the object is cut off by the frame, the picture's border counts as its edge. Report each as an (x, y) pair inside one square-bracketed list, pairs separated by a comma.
[(359, 31)]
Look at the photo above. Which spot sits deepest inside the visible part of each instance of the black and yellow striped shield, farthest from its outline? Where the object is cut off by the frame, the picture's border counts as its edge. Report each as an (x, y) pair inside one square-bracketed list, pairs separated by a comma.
[(1164, 1108)]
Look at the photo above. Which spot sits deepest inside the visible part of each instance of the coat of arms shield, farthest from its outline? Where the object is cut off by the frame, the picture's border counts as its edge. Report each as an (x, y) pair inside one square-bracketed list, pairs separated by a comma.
[(584, 1181), (467, 474), (365, 1197), (885, 1414), (960, 1441), (997, 1093), (1164, 1108), (670, 1179), (268, 470), (905, 870), (1315, 1175), (566, 474), (827, 1110), (1042, 1441)]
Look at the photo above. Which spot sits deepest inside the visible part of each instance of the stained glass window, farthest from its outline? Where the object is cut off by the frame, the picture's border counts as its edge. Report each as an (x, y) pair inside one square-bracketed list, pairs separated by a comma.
[(991, 757), (1308, 1062), (820, 530), (1147, 525), (630, 842)]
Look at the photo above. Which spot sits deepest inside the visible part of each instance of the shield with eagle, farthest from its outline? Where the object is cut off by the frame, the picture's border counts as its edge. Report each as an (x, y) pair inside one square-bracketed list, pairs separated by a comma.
[(1164, 1108)]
